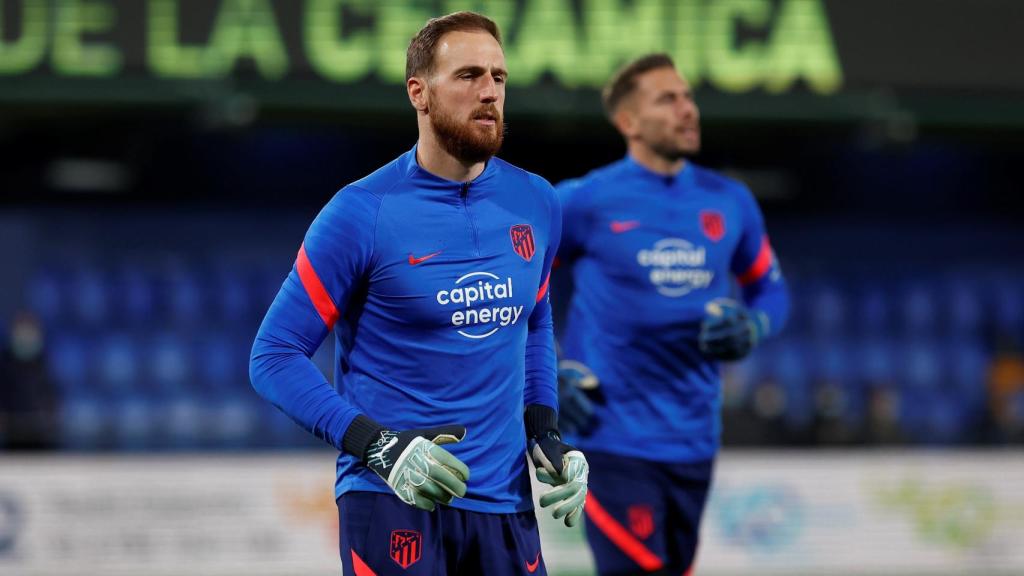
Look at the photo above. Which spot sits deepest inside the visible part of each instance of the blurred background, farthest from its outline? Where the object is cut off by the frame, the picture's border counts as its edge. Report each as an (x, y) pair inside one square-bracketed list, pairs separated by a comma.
[(161, 159)]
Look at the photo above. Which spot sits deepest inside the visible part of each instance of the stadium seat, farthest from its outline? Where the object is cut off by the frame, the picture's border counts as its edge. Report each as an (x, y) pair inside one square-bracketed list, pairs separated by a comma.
[(919, 310), (230, 294), (968, 365), (43, 295), (182, 293), (69, 355), (169, 363), (85, 420), (963, 307), (949, 419), (87, 292), (877, 362), (828, 310), (921, 379), (233, 422), (1008, 306), (118, 364), (217, 363), (134, 296), (134, 422), (874, 311), (184, 422)]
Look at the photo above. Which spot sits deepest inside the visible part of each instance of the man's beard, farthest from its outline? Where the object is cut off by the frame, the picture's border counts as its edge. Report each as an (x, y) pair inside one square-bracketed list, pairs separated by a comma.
[(672, 151), (466, 140)]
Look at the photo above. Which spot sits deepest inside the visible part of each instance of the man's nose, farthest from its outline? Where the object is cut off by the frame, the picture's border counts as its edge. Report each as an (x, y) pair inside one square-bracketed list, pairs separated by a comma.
[(686, 110), (489, 91)]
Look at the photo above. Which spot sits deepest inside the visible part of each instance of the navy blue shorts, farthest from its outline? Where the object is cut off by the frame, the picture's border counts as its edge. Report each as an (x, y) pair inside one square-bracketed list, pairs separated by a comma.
[(381, 535), (643, 517)]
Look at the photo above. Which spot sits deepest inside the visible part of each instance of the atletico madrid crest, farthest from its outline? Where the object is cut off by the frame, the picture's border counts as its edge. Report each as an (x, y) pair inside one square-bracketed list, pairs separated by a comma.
[(641, 520), (406, 547), (713, 224), (522, 240)]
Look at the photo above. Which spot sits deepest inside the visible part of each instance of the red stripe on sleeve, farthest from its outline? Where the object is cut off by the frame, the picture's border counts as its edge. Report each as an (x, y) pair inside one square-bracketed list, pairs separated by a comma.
[(621, 537), (360, 567), (761, 265), (315, 289), (543, 287)]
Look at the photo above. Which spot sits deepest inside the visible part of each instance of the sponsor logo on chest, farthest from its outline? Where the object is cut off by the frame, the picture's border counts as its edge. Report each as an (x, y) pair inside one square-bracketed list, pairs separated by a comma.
[(482, 304), (676, 267)]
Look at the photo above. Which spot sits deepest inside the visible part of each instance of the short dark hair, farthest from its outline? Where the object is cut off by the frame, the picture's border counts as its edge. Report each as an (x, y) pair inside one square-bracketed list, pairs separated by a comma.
[(623, 82), (420, 56)]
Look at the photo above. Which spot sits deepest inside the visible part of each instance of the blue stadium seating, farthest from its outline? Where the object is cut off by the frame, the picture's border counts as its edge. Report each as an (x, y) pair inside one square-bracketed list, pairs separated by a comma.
[(153, 353)]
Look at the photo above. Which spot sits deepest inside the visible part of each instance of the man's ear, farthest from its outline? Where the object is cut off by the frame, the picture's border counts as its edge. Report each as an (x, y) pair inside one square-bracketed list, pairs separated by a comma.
[(417, 89), (624, 122)]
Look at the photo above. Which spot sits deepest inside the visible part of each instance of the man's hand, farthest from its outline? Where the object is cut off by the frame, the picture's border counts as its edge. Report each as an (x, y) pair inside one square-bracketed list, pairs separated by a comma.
[(416, 467), (564, 467), (575, 409), (730, 331)]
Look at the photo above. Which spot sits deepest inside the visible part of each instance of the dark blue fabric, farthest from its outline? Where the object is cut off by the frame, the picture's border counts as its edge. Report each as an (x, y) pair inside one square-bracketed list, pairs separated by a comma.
[(629, 489), (386, 533)]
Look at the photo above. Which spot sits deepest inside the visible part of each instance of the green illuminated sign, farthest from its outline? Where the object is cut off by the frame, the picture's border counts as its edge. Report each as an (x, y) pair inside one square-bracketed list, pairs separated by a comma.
[(243, 29), (71, 54), (730, 45)]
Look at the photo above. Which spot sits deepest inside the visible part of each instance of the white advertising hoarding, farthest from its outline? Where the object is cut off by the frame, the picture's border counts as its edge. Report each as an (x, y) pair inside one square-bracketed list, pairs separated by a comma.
[(809, 512)]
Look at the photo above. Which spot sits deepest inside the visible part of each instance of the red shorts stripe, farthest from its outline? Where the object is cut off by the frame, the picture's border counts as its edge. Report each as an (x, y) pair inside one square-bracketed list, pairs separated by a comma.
[(315, 289), (543, 288), (360, 567), (761, 265), (621, 537)]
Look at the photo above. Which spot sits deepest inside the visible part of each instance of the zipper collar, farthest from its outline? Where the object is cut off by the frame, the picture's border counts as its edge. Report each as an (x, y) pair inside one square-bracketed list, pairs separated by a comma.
[(682, 178), (424, 179)]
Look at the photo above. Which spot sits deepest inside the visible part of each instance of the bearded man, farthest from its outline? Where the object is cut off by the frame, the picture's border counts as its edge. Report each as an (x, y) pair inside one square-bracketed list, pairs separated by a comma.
[(432, 273)]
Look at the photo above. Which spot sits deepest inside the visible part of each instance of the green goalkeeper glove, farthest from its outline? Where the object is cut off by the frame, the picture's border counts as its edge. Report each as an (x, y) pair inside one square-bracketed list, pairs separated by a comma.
[(558, 464), (415, 466)]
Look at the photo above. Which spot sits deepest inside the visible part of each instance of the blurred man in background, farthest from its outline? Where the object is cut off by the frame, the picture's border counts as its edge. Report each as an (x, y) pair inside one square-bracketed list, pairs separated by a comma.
[(432, 272), (28, 398), (653, 241)]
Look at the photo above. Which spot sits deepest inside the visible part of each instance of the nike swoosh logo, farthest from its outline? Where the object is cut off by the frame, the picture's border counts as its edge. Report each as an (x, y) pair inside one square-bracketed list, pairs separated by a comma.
[(414, 260), (531, 567), (620, 226)]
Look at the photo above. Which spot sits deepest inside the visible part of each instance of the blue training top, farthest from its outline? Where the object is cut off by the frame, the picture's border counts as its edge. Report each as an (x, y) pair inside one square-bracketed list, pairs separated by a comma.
[(436, 292), (648, 252)]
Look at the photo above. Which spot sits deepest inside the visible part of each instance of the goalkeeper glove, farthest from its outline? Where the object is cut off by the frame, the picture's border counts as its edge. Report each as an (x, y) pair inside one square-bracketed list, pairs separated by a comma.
[(558, 464), (576, 383), (730, 330), (412, 462)]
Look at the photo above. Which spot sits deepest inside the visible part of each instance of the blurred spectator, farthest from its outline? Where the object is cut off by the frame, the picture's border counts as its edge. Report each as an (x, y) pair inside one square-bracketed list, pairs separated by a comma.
[(1006, 392), (883, 415), (831, 420), (28, 416)]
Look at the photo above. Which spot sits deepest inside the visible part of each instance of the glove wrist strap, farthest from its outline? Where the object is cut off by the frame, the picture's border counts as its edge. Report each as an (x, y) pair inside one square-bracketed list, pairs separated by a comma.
[(539, 420), (360, 434)]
